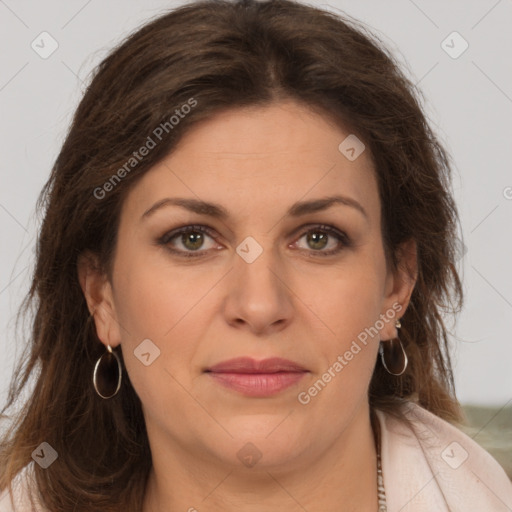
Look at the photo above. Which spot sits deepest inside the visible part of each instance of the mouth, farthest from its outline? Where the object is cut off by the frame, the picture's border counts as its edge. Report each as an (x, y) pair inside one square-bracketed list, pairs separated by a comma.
[(254, 378)]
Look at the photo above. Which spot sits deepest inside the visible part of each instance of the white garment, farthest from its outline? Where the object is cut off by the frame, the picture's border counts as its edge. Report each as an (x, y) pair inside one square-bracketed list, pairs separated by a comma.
[(428, 467), (436, 467)]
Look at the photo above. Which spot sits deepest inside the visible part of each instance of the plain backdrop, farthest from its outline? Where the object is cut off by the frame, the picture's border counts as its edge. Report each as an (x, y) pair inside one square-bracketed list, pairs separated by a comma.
[(468, 98)]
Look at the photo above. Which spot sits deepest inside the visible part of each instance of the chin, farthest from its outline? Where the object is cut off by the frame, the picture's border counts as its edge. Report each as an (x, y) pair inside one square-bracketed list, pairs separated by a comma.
[(261, 442)]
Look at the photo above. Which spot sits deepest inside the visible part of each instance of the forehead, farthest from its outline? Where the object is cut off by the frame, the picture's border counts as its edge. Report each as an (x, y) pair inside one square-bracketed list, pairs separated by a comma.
[(261, 159)]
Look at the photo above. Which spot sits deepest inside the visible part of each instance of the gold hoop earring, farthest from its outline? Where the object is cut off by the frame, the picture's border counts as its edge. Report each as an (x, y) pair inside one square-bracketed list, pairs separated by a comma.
[(107, 374), (393, 356)]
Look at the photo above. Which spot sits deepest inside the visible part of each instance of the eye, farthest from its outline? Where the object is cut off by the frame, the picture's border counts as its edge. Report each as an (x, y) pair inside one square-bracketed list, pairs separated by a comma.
[(318, 238), (192, 239)]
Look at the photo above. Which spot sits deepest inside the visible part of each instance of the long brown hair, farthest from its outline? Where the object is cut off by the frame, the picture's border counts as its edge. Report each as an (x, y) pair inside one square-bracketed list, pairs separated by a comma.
[(213, 56)]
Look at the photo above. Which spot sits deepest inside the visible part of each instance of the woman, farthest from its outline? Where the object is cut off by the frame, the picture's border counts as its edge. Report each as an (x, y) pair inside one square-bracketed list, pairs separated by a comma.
[(248, 242)]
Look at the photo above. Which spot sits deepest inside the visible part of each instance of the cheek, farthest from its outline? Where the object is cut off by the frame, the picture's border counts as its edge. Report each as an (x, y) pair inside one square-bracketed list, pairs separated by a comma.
[(346, 306), (163, 305), (150, 298), (346, 299), (347, 358)]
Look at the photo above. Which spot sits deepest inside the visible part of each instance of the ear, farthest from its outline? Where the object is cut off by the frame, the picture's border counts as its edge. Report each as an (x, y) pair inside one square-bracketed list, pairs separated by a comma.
[(98, 294), (399, 286)]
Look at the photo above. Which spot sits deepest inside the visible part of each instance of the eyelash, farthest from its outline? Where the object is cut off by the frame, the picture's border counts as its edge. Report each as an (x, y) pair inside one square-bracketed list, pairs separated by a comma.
[(168, 237)]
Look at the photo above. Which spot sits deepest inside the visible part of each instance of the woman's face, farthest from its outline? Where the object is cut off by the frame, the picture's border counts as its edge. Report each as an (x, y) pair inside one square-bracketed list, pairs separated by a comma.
[(264, 281)]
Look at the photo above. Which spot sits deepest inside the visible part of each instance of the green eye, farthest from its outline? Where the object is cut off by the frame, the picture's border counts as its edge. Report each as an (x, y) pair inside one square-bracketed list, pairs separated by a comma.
[(192, 240)]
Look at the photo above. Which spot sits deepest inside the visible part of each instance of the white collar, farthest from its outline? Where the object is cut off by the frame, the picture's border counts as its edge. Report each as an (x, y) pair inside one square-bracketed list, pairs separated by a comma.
[(433, 466)]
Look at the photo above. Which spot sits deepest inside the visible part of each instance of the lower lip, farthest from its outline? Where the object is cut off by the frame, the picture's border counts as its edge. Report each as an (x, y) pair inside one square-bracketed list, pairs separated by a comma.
[(258, 384)]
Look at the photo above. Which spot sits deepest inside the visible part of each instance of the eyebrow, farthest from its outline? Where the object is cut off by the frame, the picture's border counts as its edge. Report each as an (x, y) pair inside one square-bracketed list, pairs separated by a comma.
[(219, 212)]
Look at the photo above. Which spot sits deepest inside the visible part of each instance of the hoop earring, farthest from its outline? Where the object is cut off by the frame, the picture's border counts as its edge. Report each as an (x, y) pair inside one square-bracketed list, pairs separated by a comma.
[(393, 356), (107, 374)]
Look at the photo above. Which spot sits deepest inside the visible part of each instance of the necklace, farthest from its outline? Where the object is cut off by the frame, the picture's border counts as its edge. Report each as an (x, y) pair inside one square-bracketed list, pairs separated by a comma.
[(381, 492)]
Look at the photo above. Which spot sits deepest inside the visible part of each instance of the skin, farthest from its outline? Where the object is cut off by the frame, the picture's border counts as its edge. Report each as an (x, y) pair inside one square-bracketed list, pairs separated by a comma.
[(290, 302)]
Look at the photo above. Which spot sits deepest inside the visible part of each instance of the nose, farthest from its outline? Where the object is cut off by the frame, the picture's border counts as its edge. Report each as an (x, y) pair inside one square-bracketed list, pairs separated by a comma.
[(258, 299)]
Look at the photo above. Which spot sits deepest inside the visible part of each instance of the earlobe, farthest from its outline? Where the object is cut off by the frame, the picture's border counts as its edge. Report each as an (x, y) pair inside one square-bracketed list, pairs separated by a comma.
[(98, 294)]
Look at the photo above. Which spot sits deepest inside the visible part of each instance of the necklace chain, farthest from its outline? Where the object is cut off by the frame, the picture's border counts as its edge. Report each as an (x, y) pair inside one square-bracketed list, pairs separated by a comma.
[(381, 492)]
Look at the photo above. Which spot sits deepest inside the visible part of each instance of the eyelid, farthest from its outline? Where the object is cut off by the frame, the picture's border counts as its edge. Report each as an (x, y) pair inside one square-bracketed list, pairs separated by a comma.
[(169, 235)]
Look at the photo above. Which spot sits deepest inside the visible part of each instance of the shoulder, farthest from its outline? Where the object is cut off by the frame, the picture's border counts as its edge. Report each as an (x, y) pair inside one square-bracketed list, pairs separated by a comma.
[(430, 462), (22, 487)]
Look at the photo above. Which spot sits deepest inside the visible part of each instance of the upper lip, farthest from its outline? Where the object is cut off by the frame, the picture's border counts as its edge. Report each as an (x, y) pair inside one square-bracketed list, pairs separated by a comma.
[(249, 365)]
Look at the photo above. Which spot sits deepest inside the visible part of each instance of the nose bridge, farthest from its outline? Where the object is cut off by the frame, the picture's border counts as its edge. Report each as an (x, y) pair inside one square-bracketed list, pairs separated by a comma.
[(258, 262), (258, 295)]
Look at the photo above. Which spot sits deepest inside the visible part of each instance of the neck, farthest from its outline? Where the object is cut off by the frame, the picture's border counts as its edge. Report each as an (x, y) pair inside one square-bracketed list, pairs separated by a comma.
[(345, 473)]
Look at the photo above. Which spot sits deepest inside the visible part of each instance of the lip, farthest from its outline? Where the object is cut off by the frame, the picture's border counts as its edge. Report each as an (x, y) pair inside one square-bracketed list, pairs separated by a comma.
[(254, 378), (249, 365)]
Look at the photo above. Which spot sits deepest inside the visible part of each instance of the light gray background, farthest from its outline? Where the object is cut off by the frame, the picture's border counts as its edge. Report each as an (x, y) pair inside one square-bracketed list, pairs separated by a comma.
[(468, 99)]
